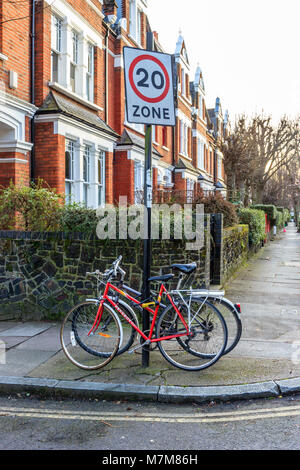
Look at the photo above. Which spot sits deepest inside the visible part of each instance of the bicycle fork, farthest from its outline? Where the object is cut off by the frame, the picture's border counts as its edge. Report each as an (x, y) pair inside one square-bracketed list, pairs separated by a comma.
[(97, 319)]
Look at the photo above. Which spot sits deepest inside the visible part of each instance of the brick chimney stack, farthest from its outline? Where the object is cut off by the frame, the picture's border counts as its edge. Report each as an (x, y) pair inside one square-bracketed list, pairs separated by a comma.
[(110, 9)]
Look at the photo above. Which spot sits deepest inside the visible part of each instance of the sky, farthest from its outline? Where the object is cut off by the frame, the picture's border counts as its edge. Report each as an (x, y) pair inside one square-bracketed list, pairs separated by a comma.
[(248, 50)]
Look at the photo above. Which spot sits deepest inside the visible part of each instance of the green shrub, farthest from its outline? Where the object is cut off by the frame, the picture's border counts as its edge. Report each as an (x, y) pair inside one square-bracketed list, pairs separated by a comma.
[(216, 204), (279, 219), (269, 209), (30, 208), (257, 224), (285, 213), (77, 218)]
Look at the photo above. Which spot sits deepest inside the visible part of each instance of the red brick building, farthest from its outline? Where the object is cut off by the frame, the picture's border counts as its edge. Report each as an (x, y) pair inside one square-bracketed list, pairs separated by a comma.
[(62, 105)]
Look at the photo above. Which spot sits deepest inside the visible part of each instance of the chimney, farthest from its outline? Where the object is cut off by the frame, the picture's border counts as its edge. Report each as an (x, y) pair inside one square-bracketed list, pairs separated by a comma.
[(110, 9)]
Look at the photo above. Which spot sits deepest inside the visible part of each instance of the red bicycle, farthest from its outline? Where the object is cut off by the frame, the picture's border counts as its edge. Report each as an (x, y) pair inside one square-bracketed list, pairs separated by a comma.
[(191, 335)]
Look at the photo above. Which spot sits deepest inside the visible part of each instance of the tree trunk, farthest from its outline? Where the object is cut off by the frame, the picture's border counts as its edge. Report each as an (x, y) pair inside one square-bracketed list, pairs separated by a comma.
[(259, 193)]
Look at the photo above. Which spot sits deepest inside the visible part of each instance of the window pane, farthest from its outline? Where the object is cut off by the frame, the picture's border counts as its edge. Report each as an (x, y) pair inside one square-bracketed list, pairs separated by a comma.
[(91, 58), (85, 194), (56, 33), (75, 47), (99, 171), (54, 66), (86, 164), (72, 77), (68, 166), (139, 27)]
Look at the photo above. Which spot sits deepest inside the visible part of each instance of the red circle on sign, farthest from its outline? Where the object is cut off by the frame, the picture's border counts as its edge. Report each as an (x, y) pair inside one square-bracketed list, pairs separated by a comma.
[(136, 91)]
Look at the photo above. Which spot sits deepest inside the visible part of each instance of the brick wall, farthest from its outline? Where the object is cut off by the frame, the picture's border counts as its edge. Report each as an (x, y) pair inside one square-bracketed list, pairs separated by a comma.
[(15, 44), (50, 156)]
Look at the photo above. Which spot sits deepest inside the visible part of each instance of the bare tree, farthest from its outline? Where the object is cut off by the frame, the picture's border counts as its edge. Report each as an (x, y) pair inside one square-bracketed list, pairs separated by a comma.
[(256, 151)]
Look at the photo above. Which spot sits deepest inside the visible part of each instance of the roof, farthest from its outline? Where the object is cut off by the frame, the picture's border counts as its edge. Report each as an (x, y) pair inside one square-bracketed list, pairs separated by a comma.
[(182, 164), (55, 103), (129, 138)]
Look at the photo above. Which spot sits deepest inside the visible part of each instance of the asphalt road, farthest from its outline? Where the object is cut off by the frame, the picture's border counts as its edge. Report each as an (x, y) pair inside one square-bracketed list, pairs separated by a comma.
[(28, 423)]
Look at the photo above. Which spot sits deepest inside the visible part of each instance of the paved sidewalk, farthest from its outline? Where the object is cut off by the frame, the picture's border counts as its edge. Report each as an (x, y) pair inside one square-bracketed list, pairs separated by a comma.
[(268, 289)]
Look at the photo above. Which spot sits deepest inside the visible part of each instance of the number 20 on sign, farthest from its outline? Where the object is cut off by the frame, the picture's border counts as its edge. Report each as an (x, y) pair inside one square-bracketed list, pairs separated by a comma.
[(149, 87)]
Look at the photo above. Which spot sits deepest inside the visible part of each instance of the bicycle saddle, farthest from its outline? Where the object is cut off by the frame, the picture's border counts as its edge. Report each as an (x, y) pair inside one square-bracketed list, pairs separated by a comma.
[(185, 268), (162, 278)]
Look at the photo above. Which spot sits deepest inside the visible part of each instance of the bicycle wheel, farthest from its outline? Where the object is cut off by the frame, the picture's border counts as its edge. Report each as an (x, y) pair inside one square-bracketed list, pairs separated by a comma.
[(205, 343), (95, 350), (232, 319)]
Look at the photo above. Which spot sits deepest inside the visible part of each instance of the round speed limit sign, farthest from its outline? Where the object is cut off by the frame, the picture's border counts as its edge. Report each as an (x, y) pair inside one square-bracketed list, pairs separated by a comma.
[(149, 87)]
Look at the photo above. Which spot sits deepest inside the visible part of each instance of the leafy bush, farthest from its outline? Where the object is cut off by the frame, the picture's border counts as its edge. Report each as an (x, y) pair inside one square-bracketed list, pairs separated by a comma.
[(269, 209), (257, 224), (216, 204), (77, 218), (30, 208), (286, 217)]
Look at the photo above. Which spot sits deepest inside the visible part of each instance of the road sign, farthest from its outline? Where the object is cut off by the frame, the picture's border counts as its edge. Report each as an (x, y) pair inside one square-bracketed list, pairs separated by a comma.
[(149, 87)]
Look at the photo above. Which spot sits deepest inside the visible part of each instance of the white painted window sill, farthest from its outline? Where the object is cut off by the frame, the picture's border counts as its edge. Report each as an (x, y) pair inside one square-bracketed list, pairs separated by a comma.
[(185, 156), (3, 56)]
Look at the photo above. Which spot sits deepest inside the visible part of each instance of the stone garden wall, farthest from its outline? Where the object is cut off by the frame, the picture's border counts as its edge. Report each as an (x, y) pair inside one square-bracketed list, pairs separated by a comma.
[(235, 249), (43, 274)]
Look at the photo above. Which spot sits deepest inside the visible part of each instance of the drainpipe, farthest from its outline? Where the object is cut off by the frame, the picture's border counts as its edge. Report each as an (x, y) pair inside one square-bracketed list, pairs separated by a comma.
[(32, 91), (106, 74)]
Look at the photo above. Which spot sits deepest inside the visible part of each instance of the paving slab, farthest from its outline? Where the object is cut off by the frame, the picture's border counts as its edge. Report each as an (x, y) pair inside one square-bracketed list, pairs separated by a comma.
[(263, 349), (20, 363), (26, 329), (5, 325), (12, 341), (48, 340)]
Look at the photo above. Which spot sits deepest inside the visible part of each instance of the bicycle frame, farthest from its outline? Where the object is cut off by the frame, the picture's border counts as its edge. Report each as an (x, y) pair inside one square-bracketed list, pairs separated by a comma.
[(149, 338)]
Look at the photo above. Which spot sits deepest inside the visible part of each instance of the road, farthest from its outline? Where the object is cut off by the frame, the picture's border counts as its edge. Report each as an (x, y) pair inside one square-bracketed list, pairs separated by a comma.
[(29, 423)]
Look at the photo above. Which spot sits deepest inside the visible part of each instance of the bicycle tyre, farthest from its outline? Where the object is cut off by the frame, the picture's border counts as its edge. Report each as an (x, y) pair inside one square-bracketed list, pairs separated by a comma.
[(184, 357), (232, 319), (90, 352)]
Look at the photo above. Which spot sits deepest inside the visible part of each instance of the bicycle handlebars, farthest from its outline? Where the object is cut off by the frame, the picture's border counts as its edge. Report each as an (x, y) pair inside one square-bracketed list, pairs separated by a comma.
[(109, 272)]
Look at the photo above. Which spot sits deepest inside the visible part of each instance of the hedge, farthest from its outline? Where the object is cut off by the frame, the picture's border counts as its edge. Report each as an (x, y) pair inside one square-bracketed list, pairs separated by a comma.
[(285, 213), (269, 209), (257, 224)]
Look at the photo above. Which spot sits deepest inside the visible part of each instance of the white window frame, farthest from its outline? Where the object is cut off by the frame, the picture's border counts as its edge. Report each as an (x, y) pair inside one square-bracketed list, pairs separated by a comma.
[(100, 164), (132, 18), (200, 151), (74, 61), (56, 45), (86, 175), (138, 180), (183, 87), (190, 188), (69, 182), (219, 166), (139, 25), (181, 126), (90, 72)]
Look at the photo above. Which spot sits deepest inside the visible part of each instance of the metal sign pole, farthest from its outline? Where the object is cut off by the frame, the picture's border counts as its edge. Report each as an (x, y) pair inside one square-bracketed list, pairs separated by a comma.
[(148, 204)]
